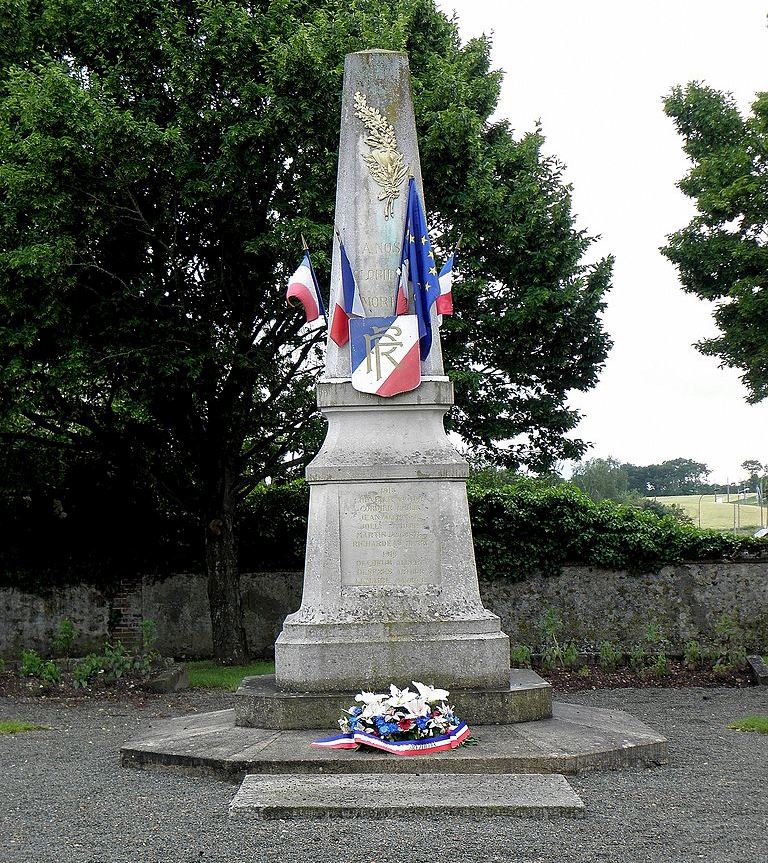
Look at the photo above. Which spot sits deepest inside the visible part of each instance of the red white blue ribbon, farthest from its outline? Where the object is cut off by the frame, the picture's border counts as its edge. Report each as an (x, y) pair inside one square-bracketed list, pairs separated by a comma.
[(424, 746)]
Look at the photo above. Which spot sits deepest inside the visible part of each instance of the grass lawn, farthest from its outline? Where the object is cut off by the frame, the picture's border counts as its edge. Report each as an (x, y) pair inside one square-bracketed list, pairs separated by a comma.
[(16, 726), (208, 674), (717, 515), (752, 723)]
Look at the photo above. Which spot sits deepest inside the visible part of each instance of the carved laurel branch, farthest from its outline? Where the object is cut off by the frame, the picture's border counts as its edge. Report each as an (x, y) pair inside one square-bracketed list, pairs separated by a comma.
[(385, 161)]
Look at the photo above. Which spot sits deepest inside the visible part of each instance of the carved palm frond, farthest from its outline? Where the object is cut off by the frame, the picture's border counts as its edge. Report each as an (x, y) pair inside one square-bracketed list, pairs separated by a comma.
[(385, 162)]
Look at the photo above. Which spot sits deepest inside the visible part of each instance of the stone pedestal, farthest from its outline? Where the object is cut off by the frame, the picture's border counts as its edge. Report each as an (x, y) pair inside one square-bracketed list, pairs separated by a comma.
[(390, 585)]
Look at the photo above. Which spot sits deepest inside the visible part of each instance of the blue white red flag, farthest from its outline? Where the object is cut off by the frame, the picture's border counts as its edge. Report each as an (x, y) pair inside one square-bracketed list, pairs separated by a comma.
[(349, 304), (302, 286), (417, 267), (444, 302), (385, 355)]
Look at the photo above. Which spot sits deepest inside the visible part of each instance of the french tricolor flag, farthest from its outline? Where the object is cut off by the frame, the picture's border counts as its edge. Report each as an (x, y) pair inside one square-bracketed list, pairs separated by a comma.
[(302, 286), (348, 304), (444, 301)]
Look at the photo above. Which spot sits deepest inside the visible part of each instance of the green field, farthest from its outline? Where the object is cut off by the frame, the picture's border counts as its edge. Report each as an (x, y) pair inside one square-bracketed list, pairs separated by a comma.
[(720, 515)]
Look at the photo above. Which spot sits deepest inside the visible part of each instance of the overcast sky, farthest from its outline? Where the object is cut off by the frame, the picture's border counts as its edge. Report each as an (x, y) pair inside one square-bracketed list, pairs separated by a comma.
[(595, 72)]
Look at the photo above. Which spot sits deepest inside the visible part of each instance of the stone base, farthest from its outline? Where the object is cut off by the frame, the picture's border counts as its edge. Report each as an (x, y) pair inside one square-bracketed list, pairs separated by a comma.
[(260, 704), (575, 739), (454, 654), (350, 795)]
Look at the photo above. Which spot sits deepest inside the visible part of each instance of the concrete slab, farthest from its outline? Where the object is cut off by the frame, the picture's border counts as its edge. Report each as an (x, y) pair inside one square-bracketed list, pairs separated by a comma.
[(352, 795), (260, 704), (759, 669), (576, 739)]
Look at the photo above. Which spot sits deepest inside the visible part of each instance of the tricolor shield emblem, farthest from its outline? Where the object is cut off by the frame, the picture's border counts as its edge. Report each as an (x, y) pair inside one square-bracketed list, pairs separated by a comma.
[(385, 354)]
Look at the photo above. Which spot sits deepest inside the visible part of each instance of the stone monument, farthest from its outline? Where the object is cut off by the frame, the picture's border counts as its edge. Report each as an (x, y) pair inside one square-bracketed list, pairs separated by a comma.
[(390, 585)]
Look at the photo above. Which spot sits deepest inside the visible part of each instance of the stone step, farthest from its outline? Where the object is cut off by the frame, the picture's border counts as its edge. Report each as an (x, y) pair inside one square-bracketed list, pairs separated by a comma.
[(575, 739), (355, 795)]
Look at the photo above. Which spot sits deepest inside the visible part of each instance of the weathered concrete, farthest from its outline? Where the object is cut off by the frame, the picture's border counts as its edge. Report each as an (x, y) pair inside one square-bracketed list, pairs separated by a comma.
[(390, 583), (350, 795), (594, 605), (574, 740), (171, 678), (260, 704), (759, 669)]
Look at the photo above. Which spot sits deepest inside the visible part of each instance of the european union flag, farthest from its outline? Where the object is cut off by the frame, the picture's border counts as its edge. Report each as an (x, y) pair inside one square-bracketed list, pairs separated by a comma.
[(418, 261)]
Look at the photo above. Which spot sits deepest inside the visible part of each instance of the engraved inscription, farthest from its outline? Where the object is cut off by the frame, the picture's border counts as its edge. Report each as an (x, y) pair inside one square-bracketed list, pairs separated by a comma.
[(383, 274), (389, 536)]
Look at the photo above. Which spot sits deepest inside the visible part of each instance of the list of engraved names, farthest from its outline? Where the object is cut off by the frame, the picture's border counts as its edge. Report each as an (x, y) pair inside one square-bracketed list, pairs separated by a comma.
[(389, 536)]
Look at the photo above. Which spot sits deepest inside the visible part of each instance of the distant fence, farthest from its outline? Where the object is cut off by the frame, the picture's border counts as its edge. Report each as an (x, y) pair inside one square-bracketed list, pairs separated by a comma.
[(593, 605)]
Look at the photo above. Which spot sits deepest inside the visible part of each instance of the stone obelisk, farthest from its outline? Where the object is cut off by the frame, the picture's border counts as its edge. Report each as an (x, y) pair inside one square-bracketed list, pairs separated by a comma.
[(390, 584)]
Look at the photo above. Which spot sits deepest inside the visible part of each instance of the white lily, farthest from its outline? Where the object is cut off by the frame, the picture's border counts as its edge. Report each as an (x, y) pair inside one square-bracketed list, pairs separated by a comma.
[(430, 694), (370, 697), (400, 697)]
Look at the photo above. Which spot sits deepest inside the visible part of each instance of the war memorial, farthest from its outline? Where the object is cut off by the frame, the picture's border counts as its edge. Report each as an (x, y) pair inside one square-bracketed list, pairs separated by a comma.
[(390, 589)]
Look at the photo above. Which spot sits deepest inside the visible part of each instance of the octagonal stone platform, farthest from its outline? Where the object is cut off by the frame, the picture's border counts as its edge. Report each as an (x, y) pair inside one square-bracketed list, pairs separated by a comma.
[(260, 704), (573, 740)]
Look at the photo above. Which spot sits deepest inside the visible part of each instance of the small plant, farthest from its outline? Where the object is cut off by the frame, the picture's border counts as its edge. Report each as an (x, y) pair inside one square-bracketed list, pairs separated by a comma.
[(64, 637), (570, 654), (728, 651), (49, 673), (608, 656), (659, 666), (520, 656), (148, 636), (550, 626), (584, 671), (692, 653), (31, 663), (85, 670), (116, 661), (637, 657)]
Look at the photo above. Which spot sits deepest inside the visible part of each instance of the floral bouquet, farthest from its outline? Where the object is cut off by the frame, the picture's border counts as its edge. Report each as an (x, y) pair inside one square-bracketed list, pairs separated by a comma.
[(403, 722)]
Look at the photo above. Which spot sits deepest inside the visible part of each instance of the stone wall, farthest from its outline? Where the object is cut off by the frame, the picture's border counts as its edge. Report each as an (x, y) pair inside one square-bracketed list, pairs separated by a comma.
[(593, 605)]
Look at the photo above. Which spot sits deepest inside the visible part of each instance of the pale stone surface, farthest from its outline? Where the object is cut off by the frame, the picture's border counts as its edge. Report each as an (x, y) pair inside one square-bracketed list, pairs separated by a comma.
[(390, 583), (574, 740), (260, 704), (371, 239), (352, 795)]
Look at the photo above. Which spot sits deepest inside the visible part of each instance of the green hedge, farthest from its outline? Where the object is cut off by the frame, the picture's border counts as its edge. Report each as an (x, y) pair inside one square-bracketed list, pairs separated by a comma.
[(519, 528), (528, 527)]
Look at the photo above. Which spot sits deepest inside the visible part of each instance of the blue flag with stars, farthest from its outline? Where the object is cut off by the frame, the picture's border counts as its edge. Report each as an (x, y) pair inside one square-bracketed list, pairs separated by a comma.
[(418, 261)]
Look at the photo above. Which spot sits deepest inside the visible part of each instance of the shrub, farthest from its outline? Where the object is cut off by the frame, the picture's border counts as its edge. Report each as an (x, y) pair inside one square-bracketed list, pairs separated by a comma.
[(520, 656), (64, 637), (49, 673), (692, 653), (608, 656), (31, 663)]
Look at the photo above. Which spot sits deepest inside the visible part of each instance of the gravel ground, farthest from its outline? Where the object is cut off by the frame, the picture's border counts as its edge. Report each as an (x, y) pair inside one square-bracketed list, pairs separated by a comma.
[(64, 798)]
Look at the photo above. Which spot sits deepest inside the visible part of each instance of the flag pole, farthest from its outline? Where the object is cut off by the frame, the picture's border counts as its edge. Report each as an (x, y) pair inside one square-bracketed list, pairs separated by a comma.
[(305, 247)]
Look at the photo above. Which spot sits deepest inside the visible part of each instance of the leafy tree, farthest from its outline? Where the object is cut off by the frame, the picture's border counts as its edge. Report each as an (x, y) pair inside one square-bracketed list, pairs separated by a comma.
[(722, 254), (158, 163), (601, 479), (755, 470), (672, 477)]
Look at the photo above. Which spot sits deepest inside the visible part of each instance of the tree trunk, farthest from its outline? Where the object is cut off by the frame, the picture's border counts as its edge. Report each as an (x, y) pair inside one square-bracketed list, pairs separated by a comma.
[(229, 642)]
